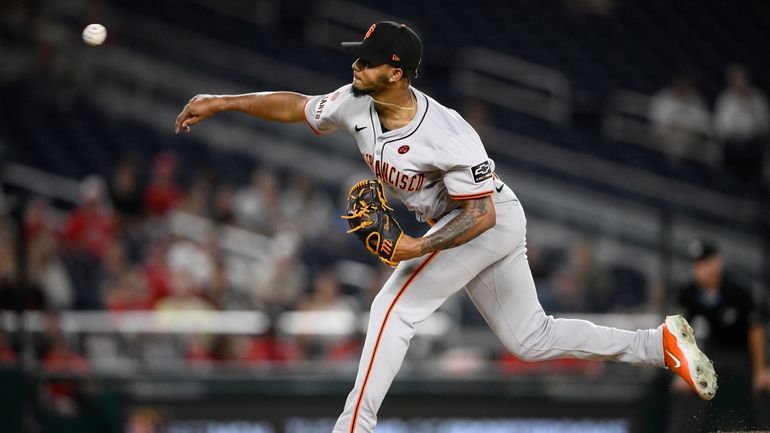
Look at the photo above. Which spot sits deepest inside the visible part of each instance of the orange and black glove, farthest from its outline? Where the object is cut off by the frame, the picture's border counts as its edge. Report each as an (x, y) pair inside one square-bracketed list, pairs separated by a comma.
[(371, 219)]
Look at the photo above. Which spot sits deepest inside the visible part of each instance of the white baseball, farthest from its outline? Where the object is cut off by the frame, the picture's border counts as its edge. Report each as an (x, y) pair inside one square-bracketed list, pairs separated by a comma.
[(94, 34)]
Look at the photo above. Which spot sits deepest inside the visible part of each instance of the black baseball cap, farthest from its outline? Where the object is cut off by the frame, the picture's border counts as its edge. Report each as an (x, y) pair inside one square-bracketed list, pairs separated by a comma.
[(388, 42), (700, 249)]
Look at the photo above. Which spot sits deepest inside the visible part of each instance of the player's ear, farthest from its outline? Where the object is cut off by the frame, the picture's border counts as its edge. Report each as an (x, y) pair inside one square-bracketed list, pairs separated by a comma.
[(396, 74)]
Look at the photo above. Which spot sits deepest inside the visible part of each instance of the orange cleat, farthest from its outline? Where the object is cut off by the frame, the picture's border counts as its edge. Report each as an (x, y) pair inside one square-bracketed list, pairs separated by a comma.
[(682, 356)]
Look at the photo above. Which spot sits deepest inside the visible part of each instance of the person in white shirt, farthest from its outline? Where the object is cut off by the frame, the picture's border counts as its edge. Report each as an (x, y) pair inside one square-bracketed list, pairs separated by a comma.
[(742, 122), (681, 120)]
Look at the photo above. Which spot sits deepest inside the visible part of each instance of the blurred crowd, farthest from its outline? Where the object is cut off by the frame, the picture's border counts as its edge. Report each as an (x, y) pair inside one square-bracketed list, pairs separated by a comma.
[(274, 244), (157, 237), (739, 125)]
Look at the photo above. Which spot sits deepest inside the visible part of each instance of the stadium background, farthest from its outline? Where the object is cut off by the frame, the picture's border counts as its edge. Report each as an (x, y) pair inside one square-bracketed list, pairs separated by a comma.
[(201, 283)]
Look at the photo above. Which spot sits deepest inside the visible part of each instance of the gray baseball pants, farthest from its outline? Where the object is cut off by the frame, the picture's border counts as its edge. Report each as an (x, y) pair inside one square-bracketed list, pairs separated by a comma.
[(493, 268)]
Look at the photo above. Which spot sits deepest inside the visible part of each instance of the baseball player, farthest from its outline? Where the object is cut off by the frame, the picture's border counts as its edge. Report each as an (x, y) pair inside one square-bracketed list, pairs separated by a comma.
[(433, 160)]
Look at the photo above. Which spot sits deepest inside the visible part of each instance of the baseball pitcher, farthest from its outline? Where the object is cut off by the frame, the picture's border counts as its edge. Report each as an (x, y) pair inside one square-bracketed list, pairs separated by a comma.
[(430, 158)]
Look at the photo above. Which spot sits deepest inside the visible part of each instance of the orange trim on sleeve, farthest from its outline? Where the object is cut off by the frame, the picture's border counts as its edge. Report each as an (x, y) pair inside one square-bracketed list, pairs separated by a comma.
[(470, 196), (379, 337), (304, 114)]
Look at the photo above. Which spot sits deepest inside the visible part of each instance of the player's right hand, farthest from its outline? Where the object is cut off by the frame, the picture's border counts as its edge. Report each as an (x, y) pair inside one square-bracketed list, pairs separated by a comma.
[(200, 107)]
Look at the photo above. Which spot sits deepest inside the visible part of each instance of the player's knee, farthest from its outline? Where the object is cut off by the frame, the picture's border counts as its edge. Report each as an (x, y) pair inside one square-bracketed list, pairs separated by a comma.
[(525, 352), (528, 355), (383, 304), (406, 316), (532, 345), (518, 350)]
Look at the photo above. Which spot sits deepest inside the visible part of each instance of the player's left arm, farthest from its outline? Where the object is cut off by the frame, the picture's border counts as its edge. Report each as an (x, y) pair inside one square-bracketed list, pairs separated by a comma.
[(476, 217)]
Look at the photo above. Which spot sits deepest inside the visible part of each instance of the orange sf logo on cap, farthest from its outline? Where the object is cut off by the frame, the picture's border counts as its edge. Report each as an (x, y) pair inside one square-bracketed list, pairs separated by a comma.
[(370, 31)]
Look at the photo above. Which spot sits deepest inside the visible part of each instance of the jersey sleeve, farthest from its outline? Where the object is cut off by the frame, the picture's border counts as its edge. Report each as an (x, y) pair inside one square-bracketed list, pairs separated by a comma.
[(326, 113), (467, 168)]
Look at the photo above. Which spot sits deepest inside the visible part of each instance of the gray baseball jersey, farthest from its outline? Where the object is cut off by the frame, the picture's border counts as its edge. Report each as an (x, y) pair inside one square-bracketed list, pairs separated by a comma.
[(430, 164)]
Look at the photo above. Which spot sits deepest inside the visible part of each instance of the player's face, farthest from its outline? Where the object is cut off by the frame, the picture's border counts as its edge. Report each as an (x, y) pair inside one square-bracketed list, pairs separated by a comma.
[(369, 78)]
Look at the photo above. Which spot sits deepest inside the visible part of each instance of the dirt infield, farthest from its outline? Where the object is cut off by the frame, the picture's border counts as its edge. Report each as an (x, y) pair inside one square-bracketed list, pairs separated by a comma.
[(744, 431)]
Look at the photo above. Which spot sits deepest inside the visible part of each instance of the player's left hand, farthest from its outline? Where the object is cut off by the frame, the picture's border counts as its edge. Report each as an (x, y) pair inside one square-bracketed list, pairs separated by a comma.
[(408, 248)]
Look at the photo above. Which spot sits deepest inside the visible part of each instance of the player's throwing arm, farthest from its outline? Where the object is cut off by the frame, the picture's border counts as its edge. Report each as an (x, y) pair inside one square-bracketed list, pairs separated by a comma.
[(277, 106)]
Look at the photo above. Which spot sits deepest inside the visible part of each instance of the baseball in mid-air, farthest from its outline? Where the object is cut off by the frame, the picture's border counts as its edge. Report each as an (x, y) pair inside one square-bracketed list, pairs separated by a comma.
[(94, 34)]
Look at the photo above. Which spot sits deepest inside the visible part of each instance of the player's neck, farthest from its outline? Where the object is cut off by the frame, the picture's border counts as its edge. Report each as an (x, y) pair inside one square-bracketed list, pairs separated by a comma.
[(395, 103)]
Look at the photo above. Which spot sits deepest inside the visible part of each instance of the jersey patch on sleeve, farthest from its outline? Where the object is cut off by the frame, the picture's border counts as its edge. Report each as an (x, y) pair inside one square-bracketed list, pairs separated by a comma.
[(481, 172), (320, 107)]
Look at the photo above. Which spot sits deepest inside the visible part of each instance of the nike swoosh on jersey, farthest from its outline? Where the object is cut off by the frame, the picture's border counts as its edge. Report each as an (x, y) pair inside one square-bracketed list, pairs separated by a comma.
[(676, 360), (360, 128), (500, 189)]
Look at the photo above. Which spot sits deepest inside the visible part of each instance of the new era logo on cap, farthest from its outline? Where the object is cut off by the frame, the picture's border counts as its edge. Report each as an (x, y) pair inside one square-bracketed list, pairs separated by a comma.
[(388, 42)]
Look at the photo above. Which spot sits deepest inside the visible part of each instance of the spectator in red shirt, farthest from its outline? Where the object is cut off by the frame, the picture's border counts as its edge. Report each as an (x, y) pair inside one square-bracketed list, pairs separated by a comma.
[(163, 193), (157, 273), (91, 227), (271, 348), (88, 233), (60, 357)]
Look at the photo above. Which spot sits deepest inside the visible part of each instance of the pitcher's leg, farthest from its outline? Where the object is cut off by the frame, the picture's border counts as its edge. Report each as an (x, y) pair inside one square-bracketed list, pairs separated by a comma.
[(386, 344), (387, 340), (505, 295), (414, 291)]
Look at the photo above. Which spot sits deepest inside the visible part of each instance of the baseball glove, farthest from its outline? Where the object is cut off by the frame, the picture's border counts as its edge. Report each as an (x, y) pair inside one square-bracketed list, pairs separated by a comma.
[(371, 219)]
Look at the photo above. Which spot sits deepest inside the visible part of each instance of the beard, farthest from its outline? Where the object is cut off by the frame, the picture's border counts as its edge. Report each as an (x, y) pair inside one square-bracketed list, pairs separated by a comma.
[(379, 84), (359, 92)]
